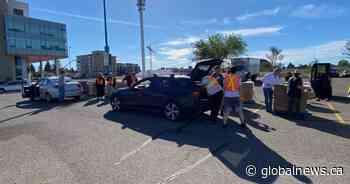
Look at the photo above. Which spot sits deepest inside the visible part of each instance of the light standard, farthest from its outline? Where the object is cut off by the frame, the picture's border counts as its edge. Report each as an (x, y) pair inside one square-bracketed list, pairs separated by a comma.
[(141, 8), (106, 37)]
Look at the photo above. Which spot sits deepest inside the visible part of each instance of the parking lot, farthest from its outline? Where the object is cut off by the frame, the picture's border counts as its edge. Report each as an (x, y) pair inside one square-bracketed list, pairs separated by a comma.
[(84, 142)]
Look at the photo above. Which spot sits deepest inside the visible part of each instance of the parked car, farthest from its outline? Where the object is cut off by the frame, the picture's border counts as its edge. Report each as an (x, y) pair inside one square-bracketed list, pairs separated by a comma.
[(175, 97), (11, 86), (47, 89)]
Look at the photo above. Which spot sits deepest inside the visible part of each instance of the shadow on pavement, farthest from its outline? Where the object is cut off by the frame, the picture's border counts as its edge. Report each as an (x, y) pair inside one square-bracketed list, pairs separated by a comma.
[(255, 122), (235, 147), (341, 99), (322, 124)]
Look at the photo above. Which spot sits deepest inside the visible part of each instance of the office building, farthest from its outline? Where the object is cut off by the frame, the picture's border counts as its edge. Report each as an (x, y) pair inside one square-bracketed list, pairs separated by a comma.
[(124, 68), (25, 40), (91, 64)]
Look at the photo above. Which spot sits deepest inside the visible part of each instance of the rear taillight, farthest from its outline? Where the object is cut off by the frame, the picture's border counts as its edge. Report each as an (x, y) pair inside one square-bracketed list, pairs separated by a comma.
[(195, 94)]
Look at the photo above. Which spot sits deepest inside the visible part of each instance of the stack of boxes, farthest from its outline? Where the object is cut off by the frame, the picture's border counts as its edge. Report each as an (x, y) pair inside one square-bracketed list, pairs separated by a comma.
[(280, 101)]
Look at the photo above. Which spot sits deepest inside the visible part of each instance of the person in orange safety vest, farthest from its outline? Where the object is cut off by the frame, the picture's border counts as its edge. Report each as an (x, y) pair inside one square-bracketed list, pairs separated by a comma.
[(100, 86), (232, 103)]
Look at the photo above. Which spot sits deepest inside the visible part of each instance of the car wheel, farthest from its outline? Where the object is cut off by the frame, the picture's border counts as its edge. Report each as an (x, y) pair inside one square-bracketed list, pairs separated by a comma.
[(77, 98), (116, 104), (48, 97), (2, 90), (172, 111)]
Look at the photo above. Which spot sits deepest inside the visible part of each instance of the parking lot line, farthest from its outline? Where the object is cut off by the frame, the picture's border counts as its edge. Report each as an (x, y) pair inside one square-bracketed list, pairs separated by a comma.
[(134, 151), (186, 169), (337, 114)]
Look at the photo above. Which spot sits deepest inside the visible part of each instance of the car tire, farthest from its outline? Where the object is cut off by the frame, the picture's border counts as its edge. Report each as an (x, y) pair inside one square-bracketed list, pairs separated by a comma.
[(2, 90), (77, 98), (48, 97), (172, 111), (116, 104)]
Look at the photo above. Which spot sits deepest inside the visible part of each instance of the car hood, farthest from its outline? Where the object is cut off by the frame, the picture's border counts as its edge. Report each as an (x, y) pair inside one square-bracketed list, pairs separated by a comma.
[(203, 68)]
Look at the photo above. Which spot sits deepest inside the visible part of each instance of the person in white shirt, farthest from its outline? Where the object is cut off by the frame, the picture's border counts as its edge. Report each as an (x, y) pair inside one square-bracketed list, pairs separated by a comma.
[(269, 81)]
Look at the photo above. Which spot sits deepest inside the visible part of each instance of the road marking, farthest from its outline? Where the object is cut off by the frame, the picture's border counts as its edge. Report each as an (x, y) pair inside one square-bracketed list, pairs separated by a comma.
[(337, 114), (134, 151), (185, 170)]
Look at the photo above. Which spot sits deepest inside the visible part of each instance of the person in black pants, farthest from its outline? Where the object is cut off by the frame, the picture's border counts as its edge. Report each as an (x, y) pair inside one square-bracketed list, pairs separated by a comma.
[(215, 92), (295, 89)]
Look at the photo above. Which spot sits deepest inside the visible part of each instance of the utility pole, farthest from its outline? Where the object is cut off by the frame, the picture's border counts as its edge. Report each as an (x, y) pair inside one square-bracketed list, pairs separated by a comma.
[(151, 51), (141, 7), (106, 37)]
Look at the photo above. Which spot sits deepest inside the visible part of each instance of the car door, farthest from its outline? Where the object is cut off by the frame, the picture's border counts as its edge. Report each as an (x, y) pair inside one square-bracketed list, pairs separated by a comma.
[(156, 95), (134, 97)]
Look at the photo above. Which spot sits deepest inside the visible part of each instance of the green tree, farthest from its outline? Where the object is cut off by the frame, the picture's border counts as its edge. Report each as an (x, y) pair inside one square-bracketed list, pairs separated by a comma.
[(275, 55), (219, 46), (48, 67), (343, 63), (290, 66)]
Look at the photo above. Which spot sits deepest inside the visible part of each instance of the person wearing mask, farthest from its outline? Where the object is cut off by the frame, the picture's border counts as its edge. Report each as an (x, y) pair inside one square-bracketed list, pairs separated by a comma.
[(109, 86), (61, 86), (232, 102), (215, 93), (295, 89), (130, 79), (269, 81), (100, 86)]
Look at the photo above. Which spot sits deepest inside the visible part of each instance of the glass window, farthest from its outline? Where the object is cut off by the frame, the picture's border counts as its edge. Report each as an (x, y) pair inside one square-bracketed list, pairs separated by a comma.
[(29, 44), (18, 12), (18, 25), (20, 43), (11, 43), (143, 84)]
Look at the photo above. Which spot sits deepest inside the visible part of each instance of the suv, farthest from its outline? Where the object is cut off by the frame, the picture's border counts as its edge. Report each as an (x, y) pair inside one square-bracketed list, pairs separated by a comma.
[(175, 97)]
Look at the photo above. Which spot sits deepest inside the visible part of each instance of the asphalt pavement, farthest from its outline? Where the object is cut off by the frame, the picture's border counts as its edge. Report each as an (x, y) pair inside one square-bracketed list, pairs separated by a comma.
[(84, 142)]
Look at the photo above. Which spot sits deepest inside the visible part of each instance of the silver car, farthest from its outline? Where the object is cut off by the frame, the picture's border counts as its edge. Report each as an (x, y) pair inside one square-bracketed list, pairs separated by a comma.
[(48, 88), (10, 86)]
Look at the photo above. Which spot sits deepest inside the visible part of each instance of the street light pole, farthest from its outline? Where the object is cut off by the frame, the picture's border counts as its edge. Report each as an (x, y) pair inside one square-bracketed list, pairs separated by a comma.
[(106, 36), (141, 8)]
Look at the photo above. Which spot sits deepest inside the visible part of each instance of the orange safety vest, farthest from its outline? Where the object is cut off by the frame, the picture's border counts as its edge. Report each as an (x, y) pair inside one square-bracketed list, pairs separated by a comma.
[(99, 81), (232, 82)]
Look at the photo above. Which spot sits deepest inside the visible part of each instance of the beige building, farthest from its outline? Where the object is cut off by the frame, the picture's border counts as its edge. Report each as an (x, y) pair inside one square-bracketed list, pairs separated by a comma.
[(24, 40), (97, 62)]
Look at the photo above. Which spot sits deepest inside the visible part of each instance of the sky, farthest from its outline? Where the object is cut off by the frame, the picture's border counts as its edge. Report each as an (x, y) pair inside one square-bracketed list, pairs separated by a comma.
[(303, 29)]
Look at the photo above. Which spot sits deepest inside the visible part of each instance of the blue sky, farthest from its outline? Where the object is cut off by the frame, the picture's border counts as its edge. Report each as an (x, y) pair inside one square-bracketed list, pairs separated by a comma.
[(304, 29)]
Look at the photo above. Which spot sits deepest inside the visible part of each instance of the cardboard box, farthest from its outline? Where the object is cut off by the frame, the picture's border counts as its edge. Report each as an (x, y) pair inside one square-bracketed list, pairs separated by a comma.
[(247, 91), (280, 99)]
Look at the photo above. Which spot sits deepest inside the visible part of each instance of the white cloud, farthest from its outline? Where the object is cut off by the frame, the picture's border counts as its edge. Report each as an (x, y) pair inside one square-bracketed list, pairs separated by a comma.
[(318, 11), (95, 19), (266, 12), (259, 31), (179, 54), (328, 52), (201, 22), (182, 41)]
